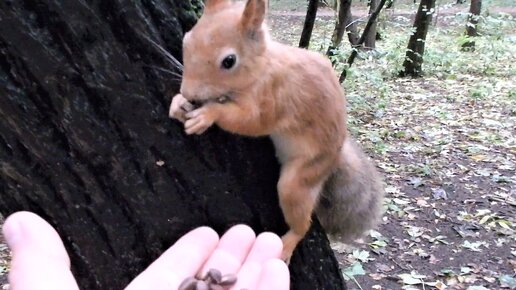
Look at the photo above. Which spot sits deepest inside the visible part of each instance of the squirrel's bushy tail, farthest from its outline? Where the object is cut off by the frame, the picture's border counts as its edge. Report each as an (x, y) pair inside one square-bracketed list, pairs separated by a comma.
[(352, 197)]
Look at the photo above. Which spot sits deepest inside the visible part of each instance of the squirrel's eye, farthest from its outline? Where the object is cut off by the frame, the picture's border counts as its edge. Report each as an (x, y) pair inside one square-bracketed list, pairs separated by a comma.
[(229, 61)]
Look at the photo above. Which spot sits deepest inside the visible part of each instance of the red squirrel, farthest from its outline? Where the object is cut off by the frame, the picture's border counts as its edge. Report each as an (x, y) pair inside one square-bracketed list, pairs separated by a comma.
[(248, 84)]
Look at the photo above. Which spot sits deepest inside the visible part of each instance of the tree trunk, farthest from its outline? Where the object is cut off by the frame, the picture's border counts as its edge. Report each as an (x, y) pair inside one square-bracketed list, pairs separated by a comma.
[(306, 34), (370, 40), (416, 46), (471, 25), (344, 23), (351, 29), (86, 142)]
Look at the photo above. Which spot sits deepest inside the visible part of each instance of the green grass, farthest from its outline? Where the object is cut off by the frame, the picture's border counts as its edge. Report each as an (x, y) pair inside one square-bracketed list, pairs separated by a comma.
[(287, 5)]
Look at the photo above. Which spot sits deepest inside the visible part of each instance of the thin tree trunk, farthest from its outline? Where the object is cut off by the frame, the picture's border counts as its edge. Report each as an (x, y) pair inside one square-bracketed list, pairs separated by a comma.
[(471, 25), (306, 34), (343, 23), (86, 142), (416, 46), (372, 19), (370, 40), (351, 29)]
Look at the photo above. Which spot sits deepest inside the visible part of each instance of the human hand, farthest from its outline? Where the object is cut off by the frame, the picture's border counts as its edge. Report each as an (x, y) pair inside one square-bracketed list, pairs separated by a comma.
[(40, 260)]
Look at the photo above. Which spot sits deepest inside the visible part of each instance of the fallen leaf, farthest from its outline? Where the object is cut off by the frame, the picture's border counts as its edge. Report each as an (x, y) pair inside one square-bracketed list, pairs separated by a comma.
[(354, 270), (475, 246), (477, 288), (467, 230), (507, 281), (433, 259), (439, 193)]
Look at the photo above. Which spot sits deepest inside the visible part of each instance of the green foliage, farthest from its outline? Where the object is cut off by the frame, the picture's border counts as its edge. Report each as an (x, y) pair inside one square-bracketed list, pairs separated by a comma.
[(287, 5)]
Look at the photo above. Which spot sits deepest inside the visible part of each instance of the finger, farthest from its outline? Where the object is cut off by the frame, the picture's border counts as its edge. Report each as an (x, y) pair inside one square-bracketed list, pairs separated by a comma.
[(231, 251), (191, 122), (197, 127), (194, 113), (191, 130), (201, 130), (39, 258), (187, 106), (266, 247), (275, 275), (182, 260), (178, 116), (176, 110), (184, 104)]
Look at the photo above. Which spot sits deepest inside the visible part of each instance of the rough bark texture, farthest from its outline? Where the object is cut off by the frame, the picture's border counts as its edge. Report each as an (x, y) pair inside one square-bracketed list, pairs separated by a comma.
[(370, 40), (306, 34), (85, 142), (416, 46), (471, 25), (344, 23)]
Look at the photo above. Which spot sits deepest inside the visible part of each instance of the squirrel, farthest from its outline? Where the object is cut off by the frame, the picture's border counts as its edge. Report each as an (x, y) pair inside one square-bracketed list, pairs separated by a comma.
[(236, 77)]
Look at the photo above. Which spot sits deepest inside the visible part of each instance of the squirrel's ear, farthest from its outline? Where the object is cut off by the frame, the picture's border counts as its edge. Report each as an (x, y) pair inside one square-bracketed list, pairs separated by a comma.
[(213, 5), (253, 17)]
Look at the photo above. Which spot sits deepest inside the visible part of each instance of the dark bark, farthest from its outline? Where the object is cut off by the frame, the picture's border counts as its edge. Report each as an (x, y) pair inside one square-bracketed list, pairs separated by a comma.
[(372, 19), (370, 40), (344, 23), (306, 34), (471, 25), (85, 130), (416, 46)]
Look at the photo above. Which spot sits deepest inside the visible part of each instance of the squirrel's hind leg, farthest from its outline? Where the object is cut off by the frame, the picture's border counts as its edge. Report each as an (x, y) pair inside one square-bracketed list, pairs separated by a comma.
[(299, 187)]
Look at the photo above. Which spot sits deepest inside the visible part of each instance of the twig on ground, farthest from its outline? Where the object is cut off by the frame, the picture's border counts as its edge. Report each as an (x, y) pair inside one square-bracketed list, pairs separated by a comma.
[(356, 282)]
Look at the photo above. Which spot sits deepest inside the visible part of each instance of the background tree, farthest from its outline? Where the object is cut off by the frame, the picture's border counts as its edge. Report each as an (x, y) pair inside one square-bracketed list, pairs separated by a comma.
[(311, 13), (344, 22), (372, 18), (471, 25), (370, 40), (85, 142), (416, 46)]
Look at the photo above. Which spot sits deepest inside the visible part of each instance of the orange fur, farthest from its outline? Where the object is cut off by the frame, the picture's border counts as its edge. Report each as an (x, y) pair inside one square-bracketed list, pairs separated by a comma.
[(288, 93)]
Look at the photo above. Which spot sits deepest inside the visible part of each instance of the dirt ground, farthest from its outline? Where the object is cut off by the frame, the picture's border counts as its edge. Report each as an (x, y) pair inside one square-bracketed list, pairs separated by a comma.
[(451, 196), (449, 165)]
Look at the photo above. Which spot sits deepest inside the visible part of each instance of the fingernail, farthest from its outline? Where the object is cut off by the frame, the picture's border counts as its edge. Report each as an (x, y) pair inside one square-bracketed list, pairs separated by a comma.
[(12, 232)]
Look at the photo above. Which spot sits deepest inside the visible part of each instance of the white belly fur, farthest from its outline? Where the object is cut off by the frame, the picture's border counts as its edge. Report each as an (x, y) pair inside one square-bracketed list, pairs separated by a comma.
[(288, 147)]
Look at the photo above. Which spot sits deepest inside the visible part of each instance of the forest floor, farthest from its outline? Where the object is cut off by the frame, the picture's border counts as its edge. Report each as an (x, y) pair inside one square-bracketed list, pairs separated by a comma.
[(446, 144)]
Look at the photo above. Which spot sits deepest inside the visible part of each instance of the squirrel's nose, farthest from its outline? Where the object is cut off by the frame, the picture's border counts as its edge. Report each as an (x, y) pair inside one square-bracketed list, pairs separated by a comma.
[(190, 89)]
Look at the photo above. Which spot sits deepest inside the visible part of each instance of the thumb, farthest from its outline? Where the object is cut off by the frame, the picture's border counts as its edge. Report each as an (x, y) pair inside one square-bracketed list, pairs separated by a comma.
[(39, 258)]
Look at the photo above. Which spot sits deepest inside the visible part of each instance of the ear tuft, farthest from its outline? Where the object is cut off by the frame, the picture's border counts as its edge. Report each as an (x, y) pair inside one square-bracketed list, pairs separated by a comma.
[(254, 16)]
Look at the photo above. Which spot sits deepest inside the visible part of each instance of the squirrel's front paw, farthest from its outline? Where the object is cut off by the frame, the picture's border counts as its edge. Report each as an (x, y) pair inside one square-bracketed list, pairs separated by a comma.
[(179, 107), (199, 120)]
